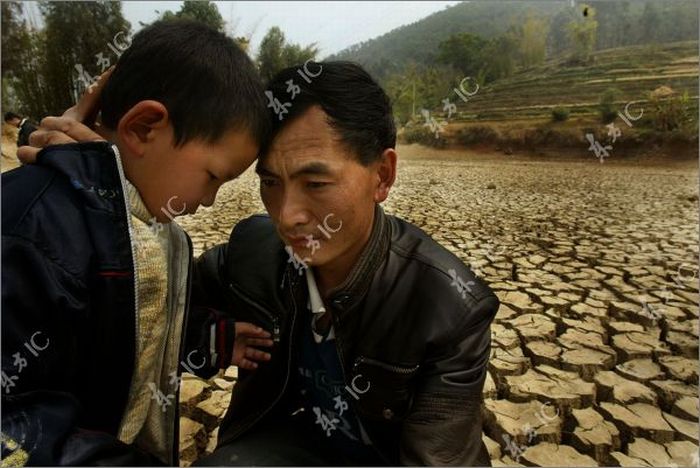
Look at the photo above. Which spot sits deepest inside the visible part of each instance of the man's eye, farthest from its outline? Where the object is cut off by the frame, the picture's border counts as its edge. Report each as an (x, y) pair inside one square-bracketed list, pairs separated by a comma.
[(316, 184), (268, 182)]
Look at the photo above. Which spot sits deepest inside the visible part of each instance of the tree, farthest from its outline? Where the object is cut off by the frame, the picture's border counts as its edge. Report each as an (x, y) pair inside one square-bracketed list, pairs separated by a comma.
[(500, 55), (650, 23), (275, 54), (23, 53), (484, 60), (616, 25), (582, 34), (462, 51), (533, 40), (42, 65), (416, 88), (71, 59), (206, 12), (270, 54), (203, 11), (401, 89), (608, 109), (13, 28)]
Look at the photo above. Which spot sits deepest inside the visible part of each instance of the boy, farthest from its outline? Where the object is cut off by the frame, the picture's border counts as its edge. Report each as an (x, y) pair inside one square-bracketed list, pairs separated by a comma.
[(95, 277)]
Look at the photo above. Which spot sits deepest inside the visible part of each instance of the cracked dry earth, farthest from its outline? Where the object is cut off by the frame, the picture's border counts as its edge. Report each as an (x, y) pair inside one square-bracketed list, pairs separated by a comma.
[(595, 347)]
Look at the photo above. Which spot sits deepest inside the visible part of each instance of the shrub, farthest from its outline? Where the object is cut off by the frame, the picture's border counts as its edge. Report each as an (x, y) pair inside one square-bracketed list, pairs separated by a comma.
[(422, 135), (608, 110), (560, 114), (476, 134), (673, 113)]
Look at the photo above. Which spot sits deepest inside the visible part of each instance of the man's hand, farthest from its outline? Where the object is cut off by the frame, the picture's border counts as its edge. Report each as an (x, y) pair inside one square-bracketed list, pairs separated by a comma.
[(75, 125), (245, 354)]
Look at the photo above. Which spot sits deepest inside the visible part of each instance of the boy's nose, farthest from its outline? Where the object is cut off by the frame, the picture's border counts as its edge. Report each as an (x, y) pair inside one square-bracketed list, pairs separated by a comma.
[(209, 198)]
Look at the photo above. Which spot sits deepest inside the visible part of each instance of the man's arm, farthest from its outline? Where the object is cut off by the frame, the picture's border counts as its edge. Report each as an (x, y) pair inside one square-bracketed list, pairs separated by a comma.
[(212, 329), (208, 280), (444, 425)]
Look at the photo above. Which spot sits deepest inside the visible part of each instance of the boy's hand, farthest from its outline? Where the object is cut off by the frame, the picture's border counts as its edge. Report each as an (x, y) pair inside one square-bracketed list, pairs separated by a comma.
[(75, 125), (245, 354)]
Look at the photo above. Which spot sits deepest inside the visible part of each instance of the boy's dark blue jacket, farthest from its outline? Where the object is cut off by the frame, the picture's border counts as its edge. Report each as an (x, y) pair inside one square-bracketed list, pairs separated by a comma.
[(68, 310)]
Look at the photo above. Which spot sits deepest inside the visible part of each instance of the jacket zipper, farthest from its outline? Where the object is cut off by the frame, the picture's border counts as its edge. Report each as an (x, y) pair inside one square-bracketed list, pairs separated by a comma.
[(127, 208), (181, 354), (270, 316), (289, 358), (338, 350), (397, 369)]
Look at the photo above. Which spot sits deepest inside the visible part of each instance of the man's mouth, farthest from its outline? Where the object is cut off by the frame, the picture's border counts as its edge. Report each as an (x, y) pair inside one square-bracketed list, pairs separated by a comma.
[(300, 242)]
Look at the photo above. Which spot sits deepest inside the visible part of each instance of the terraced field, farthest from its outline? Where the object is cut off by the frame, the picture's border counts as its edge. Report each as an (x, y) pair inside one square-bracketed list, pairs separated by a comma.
[(634, 71)]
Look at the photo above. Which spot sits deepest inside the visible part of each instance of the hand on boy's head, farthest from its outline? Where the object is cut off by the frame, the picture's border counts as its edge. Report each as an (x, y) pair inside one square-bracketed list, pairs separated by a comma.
[(73, 126), (55, 131), (87, 107)]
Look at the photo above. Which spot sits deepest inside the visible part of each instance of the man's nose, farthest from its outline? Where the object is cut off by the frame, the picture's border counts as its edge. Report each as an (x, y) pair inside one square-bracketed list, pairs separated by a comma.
[(293, 212)]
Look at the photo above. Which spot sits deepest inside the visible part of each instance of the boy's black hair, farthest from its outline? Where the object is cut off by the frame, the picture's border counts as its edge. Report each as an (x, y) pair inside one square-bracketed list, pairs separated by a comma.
[(11, 115), (358, 108), (204, 79)]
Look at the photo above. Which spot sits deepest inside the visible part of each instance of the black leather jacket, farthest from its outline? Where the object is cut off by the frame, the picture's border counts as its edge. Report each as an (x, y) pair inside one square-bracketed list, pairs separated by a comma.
[(413, 346)]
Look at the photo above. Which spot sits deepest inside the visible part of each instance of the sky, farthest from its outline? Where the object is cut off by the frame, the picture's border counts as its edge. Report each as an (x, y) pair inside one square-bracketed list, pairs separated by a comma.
[(333, 25)]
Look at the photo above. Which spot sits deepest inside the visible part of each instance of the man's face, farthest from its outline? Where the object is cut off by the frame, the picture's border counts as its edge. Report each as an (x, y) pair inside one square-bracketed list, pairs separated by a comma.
[(176, 181), (312, 185), (14, 121)]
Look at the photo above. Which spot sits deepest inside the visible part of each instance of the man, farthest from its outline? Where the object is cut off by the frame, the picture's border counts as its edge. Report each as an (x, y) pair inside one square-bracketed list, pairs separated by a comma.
[(23, 124), (382, 334)]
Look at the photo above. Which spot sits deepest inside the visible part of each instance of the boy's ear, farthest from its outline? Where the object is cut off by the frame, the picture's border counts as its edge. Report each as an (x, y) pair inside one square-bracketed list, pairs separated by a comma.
[(140, 125)]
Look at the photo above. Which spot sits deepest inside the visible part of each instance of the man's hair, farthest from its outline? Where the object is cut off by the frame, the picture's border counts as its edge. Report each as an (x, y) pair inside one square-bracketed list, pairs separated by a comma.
[(204, 79), (358, 108), (11, 115)]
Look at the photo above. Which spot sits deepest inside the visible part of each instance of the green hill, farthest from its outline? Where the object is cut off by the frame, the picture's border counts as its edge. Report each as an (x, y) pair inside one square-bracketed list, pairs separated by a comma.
[(620, 23), (418, 42)]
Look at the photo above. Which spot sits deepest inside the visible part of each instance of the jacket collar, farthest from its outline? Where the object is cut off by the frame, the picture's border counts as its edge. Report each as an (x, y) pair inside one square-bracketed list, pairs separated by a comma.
[(91, 169), (136, 204), (347, 294)]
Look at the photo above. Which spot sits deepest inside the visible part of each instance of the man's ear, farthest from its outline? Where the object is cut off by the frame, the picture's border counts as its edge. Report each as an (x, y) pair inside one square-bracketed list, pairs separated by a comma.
[(386, 174), (139, 126)]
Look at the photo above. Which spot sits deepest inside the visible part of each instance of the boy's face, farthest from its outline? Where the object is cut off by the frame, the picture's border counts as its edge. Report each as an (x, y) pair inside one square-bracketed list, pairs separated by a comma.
[(176, 181), (312, 185)]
